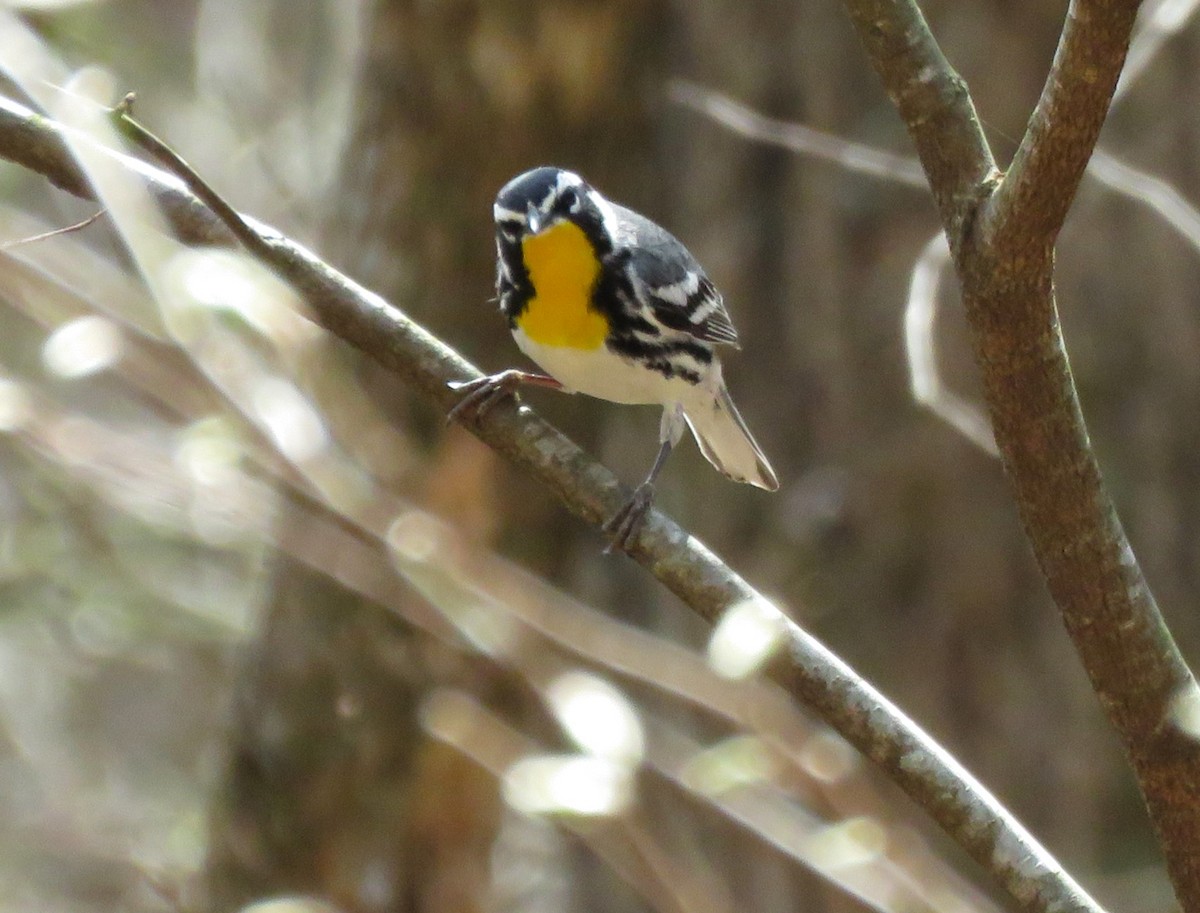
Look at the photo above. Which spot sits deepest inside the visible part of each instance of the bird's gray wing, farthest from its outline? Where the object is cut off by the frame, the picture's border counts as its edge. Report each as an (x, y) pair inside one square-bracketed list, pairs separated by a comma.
[(668, 281)]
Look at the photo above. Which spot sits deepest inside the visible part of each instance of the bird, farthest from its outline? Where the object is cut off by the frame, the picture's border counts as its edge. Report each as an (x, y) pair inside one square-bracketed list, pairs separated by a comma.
[(610, 304)]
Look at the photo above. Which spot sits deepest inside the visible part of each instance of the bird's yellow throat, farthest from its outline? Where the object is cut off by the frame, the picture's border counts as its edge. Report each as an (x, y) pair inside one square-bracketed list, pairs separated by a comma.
[(563, 268)]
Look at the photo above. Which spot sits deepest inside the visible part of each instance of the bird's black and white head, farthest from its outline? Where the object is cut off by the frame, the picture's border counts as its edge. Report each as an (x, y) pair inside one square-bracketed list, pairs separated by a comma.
[(537, 200)]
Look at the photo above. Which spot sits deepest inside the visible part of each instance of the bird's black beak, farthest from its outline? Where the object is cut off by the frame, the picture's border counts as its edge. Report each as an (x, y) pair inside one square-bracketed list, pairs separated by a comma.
[(533, 219)]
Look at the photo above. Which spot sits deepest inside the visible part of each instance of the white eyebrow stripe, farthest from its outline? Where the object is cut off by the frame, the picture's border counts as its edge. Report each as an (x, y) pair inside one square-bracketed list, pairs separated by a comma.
[(607, 214), (566, 179), (501, 214)]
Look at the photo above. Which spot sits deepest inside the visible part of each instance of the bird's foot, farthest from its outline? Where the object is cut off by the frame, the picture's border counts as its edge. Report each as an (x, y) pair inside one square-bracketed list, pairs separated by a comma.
[(482, 394), (625, 523)]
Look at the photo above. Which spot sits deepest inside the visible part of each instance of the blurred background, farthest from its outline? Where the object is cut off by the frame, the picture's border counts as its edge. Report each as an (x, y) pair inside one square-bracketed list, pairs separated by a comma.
[(270, 629)]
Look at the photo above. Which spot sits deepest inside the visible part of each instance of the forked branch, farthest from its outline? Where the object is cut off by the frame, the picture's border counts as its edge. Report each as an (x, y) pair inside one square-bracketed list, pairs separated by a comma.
[(1004, 256)]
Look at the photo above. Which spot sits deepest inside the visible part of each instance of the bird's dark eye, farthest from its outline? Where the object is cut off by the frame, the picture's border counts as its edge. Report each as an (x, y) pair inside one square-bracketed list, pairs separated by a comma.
[(568, 200)]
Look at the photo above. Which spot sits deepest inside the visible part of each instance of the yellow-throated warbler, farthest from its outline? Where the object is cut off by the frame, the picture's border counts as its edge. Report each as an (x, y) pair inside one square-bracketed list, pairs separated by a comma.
[(610, 304)]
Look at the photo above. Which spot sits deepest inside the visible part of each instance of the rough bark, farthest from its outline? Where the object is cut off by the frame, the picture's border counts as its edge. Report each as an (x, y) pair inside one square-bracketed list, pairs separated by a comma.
[(1002, 233)]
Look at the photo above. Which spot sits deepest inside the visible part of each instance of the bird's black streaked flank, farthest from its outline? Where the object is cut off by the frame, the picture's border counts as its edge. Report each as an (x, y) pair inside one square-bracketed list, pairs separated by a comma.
[(610, 304)]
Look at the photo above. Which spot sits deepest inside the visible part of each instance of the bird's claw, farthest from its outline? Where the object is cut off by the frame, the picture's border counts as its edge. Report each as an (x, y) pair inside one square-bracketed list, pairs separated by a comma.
[(482, 394), (625, 523)]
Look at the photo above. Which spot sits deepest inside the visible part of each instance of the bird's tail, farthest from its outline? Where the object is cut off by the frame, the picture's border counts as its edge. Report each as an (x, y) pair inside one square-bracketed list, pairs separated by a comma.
[(727, 443)]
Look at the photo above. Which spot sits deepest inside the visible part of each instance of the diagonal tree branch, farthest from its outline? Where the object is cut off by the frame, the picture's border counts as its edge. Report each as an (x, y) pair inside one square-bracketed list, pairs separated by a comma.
[(1005, 262), (798, 662)]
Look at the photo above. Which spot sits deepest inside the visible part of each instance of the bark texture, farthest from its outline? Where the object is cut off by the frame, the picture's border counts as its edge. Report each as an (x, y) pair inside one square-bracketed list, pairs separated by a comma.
[(1003, 235)]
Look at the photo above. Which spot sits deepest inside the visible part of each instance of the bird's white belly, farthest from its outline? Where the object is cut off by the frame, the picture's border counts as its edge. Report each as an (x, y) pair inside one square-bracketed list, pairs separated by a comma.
[(602, 373)]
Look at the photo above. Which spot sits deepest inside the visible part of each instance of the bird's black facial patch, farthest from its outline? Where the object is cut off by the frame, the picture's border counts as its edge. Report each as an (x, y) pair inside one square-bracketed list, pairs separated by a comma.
[(542, 189), (548, 195), (568, 201)]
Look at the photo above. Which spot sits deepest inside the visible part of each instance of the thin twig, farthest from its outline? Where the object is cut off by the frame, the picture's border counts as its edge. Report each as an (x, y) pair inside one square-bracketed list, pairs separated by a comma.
[(133, 131), (1149, 190), (754, 125), (920, 315), (66, 229)]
